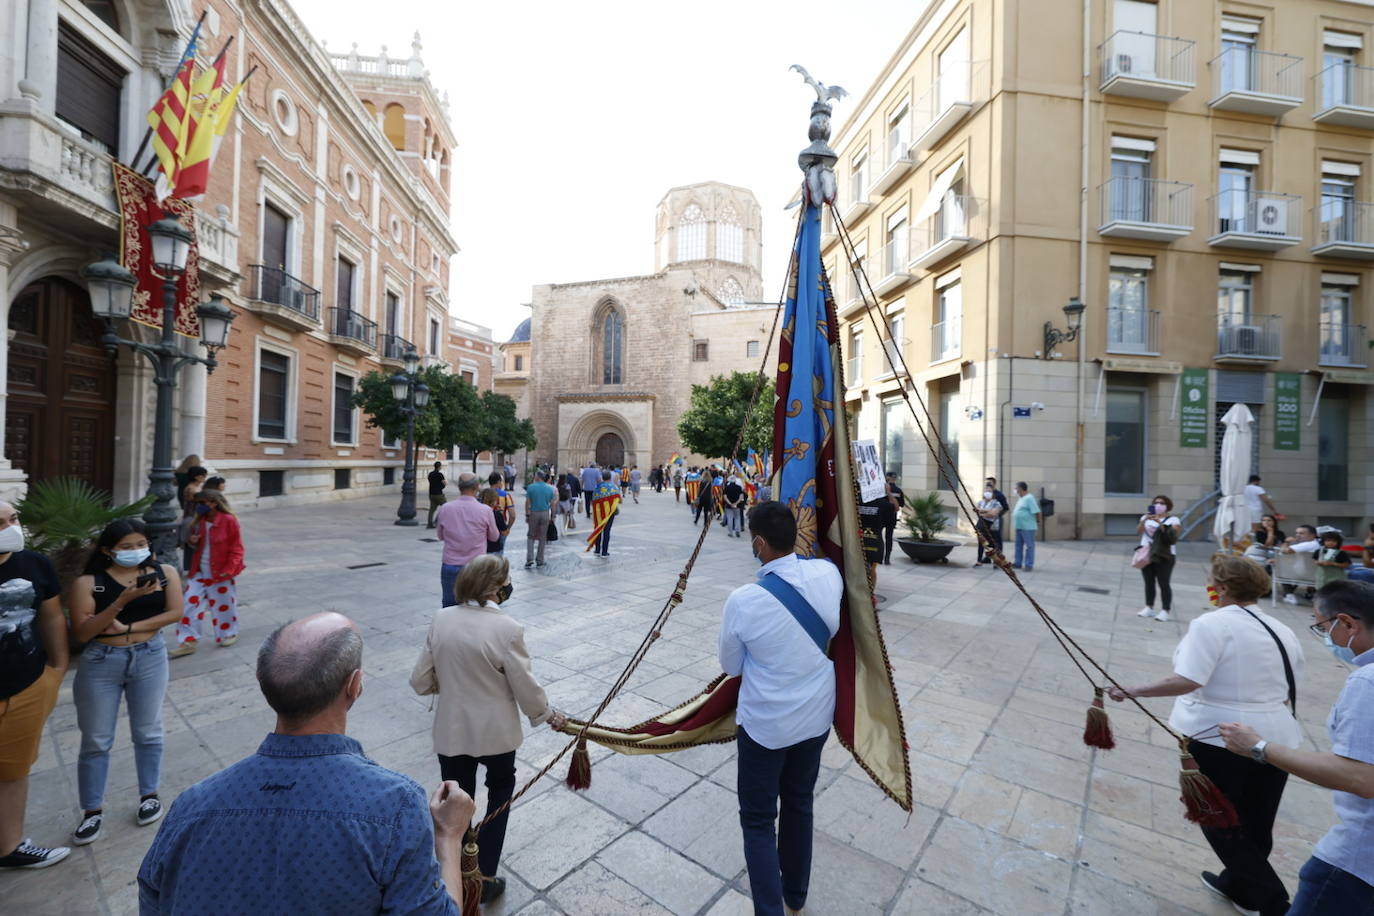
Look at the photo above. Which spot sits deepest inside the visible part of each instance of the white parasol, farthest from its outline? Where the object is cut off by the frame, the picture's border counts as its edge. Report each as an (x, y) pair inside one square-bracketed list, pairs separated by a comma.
[(1232, 522)]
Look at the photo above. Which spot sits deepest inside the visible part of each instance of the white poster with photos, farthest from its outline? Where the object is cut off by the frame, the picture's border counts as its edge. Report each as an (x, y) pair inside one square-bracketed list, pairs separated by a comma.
[(869, 470)]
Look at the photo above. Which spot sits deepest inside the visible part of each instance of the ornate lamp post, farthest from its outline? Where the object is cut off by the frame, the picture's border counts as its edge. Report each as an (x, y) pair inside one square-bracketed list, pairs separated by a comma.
[(413, 396), (1073, 312), (111, 289)]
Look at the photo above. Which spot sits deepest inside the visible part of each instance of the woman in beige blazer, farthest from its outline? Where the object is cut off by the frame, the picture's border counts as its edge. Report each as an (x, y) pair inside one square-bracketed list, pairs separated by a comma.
[(475, 660)]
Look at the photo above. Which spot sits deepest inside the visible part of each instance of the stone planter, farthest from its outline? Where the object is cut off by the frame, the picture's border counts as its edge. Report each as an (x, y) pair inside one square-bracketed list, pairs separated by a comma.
[(926, 551)]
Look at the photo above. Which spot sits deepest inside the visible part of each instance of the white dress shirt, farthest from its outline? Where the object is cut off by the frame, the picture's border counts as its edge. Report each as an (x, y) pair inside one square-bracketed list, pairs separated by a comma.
[(788, 691), (1241, 673)]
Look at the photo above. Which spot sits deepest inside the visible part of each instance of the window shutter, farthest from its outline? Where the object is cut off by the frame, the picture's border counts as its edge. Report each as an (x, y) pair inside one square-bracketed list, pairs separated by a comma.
[(1240, 387), (89, 86)]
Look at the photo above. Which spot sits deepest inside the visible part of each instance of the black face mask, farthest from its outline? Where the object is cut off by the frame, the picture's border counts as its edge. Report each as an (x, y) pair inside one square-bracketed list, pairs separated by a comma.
[(504, 593)]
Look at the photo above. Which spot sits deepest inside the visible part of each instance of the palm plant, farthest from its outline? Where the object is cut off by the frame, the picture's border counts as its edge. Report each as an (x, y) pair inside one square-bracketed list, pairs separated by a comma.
[(924, 517), (63, 515)]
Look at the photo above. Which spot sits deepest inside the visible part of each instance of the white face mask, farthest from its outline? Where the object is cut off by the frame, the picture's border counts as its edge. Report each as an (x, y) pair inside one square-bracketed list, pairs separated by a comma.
[(1159, 508), (132, 558), (11, 539), (987, 494)]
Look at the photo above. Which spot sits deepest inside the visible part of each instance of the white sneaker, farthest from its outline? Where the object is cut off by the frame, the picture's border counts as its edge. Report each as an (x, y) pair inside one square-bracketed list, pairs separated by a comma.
[(1145, 612), (1290, 598), (1162, 617)]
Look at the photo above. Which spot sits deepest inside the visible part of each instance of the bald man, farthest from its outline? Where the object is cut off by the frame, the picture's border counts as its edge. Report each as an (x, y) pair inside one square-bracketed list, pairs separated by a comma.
[(308, 825)]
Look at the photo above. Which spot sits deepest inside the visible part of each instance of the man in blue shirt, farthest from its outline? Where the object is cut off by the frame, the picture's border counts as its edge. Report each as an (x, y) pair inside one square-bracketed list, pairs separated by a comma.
[(591, 479), (1339, 877), (786, 705), (539, 498), (308, 825)]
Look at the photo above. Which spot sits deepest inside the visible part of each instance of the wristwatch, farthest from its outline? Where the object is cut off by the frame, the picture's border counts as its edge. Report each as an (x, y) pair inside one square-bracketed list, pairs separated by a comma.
[(1257, 752)]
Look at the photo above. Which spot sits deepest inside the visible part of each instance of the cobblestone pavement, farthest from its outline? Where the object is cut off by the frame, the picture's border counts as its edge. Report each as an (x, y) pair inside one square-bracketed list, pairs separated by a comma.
[(1014, 814)]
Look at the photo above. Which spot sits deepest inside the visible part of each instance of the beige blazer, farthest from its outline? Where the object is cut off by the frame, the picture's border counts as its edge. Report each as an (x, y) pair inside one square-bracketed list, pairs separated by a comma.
[(475, 660)]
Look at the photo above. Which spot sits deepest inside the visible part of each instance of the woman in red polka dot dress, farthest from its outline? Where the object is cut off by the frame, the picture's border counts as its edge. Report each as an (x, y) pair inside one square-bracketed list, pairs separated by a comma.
[(211, 595)]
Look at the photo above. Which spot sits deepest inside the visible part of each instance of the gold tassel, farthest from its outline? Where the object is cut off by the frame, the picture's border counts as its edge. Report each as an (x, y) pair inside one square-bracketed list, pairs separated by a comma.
[(1203, 802), (472, 877), (580, 770)]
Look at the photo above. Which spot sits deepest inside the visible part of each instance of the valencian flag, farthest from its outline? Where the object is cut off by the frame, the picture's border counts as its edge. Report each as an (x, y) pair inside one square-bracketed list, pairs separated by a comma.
[(693, 488), (756, 464), (170, 119), (814, 476), (211, 110), (604, 508)]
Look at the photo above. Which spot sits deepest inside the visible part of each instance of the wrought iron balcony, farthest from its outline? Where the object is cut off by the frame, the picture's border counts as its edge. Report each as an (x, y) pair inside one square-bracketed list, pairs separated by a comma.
[(1257, 82), (1249, 338), (288, 300), (1345, 229), (957, 224), (1259, 220), (1146, 66), (350, 331), (395, 348), (1342, 344), (946, 339), (1145, 208), (1345, 96), (1133, 331)]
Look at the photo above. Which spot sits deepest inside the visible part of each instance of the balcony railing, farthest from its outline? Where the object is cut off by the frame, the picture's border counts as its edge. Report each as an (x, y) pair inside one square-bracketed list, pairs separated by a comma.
[(1133, 331), (272, 284), (1249, 337), (1343, 344), (1345, 95), (1345, 229), (857, 203), (1145, 208), (953, 95), (1262, 220), (946, 339), (1148, 66), (1258, 82), (853, 371), (894, 266), (959, 221), (349, 325), (395, 347)]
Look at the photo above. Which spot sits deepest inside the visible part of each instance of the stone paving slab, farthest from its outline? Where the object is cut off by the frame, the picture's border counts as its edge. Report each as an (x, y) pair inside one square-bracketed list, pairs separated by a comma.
[(1013, 814)]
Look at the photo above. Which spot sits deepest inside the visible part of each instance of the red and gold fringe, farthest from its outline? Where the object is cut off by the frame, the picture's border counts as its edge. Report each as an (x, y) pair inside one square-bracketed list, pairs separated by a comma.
[(1098, 730), (580, 770), (1203, 802), (472, 877)]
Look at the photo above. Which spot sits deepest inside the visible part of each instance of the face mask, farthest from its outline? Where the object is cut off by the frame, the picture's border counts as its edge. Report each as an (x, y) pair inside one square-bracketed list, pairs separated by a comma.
[(1344, 653), (504, 593), (202, 508), (131, 558), (1159, 508), (11, 539), (987, 494)]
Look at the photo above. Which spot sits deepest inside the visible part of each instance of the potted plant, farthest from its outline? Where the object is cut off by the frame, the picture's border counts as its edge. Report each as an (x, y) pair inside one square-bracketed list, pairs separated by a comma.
[(925, 519), (63, 515)]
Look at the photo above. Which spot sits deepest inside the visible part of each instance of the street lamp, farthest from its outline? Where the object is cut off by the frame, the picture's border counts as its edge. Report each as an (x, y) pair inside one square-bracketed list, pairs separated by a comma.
[(1073, 312), (111, 288), (413, 396)]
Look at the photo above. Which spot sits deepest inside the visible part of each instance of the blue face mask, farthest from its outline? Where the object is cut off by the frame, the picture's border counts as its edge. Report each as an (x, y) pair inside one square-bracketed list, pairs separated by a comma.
[(132, 558), (1343, 653), (202, 508)]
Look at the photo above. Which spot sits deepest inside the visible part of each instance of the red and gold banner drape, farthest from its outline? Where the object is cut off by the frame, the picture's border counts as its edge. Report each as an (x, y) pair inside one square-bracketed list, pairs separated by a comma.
[(138, 208), (603, 510)]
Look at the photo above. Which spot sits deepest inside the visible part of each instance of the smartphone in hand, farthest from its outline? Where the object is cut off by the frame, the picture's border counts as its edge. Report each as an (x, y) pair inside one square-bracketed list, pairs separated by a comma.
[(145, 580)]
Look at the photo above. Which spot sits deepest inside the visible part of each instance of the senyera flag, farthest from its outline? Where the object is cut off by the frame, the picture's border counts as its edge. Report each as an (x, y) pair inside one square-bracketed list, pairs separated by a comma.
[(604, 508), (813, 475)]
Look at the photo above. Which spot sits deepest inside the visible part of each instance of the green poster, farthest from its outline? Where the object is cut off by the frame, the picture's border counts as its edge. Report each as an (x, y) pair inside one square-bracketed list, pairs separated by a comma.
[(1195, 412), (1287, 409)]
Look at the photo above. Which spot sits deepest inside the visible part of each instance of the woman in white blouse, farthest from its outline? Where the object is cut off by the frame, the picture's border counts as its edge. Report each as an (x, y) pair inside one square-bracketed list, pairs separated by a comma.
[(1160, 569), (1237, 663)]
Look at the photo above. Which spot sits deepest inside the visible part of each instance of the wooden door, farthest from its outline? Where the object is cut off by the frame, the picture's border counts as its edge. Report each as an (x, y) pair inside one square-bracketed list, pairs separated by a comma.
[(59, 417), (610, 450)]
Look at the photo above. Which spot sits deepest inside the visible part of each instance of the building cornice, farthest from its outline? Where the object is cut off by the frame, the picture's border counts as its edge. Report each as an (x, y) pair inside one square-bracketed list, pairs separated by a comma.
[(608, 396)]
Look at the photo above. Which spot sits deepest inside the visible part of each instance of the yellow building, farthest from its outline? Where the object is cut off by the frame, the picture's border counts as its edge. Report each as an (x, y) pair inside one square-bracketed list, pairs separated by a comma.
[(1193, 173)]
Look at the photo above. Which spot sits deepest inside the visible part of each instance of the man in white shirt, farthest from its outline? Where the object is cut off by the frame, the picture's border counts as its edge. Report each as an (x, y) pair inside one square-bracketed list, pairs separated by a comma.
[(1257, 501), (786, 703), (1304, 540)]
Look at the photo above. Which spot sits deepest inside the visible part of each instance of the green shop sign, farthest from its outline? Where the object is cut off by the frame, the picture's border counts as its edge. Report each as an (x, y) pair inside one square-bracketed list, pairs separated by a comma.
[(1287, 409), (1195, 412)]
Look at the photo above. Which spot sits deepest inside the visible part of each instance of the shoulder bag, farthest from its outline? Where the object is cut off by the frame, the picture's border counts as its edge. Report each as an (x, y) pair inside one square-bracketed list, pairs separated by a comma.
[(1287, 665)]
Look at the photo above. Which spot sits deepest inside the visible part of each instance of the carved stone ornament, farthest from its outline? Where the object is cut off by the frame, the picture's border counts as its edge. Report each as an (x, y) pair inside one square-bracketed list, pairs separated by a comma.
[(818, 160)]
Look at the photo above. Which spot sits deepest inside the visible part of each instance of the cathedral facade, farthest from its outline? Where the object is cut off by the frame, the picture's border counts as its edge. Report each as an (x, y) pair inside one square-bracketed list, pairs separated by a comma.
[(612, 361)]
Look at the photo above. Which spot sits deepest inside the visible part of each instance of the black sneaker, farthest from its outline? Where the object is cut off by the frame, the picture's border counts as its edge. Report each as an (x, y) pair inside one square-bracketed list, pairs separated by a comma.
[(27, 855), (492, 888), (87, 830), (1213, 883), (149, 810)]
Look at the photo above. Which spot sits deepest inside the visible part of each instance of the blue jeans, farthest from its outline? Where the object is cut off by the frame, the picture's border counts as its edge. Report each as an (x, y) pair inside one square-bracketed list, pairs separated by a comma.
[(448, 574), (603, 540), (1025, 545), (1323, 888), (106, 673), (778, 858)]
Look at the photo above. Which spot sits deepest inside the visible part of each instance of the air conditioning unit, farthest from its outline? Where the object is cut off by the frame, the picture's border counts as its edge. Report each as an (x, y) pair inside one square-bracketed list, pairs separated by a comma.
[(1247, 340), (1123, 63), (1271, 216), (295, 299)]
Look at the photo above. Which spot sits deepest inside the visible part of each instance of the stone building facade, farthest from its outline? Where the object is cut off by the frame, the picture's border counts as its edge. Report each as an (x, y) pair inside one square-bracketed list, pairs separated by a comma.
[(611, 362)]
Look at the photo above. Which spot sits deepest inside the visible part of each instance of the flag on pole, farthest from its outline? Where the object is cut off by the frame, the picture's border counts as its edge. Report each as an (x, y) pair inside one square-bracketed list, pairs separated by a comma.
[(605, 504), (211, 110), (756, 463), (169, 118), (675, 458)]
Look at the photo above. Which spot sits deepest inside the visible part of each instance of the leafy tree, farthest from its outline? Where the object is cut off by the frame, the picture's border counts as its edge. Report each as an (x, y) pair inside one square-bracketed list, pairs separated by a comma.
[(449, 417), (713, 418), (496, 428)]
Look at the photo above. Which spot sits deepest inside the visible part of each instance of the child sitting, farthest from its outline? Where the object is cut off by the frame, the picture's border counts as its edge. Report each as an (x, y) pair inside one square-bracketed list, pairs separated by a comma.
[(1332, 561)]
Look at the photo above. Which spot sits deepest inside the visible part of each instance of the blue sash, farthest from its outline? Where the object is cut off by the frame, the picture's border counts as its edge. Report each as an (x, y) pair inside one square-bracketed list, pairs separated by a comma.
[(800, 609)]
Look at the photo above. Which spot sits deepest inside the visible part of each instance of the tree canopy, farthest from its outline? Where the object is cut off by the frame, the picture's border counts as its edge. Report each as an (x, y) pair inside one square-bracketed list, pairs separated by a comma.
[(713, 418)]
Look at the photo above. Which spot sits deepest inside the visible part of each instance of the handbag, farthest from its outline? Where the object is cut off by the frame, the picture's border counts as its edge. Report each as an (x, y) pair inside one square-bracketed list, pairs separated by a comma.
[(1141, 557), (552, 533)]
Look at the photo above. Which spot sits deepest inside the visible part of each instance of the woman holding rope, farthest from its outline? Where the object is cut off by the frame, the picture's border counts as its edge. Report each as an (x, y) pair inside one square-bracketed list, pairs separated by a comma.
[(1237, 663), (475, 660)]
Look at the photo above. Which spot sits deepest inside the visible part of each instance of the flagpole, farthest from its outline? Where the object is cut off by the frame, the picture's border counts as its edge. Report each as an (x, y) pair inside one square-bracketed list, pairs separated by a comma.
[(148, 131)]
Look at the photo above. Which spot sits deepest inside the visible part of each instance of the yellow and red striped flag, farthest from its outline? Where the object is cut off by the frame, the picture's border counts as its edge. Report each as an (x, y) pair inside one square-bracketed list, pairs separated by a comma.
[(170, 122), (604, 508), (208, 116)]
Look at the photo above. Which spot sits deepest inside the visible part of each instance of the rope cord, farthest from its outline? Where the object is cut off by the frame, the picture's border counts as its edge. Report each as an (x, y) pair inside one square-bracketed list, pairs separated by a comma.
[(942, 457), (656, 630)]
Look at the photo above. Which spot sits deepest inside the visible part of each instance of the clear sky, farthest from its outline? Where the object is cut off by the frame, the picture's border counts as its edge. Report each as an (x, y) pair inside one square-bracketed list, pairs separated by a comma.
[(573, 119)]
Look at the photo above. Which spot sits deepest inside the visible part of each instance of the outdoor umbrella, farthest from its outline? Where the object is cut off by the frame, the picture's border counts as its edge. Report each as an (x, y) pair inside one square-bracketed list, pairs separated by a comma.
[(1233, 517)]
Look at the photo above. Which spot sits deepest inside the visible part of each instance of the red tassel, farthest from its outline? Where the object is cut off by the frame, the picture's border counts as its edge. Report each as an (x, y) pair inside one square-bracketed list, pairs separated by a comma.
[(472, 877), (1203, 802), (1098, 731), (580, 770)]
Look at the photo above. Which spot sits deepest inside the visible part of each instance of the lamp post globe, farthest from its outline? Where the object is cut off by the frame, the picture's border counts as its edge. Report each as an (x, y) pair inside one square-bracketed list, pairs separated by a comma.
[(411, 360), (421, 396), (400, 388), (1073, 312), (171, 244), (215, 318), (111, 288)]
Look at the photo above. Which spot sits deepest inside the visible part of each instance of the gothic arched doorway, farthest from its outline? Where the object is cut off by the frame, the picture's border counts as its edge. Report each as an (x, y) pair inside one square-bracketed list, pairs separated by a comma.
[(59, 416), (610, 450)]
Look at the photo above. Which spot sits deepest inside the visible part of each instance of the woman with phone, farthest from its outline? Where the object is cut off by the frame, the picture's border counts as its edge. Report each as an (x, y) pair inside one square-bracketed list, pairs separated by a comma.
[(119, 606), (1159, 529), (210, 584)]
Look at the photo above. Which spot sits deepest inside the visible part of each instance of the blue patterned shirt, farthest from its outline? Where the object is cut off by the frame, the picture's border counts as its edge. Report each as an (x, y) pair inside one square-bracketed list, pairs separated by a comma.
[(307, 825)]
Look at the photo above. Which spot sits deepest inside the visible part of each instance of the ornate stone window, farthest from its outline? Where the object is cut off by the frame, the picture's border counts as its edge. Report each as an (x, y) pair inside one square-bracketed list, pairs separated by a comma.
[(691, 234), (610, 330), (729, 236), (731, 293)]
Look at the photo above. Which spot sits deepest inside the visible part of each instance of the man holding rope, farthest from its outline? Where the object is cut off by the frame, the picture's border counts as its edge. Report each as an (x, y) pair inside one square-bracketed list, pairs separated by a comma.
[(775, 633)]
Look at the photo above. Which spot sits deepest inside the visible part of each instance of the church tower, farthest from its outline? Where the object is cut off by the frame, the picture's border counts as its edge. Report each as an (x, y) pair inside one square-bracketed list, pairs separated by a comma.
[(715, 231)]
